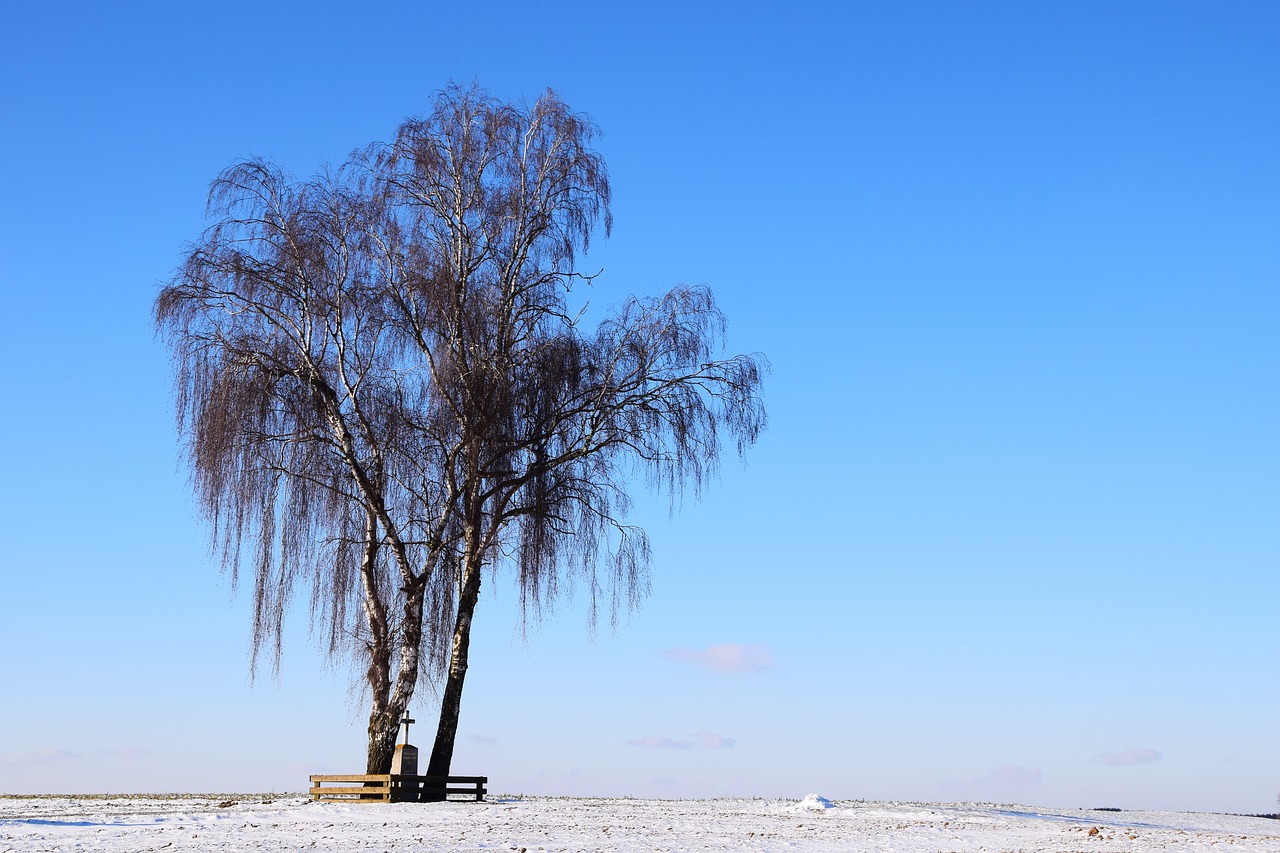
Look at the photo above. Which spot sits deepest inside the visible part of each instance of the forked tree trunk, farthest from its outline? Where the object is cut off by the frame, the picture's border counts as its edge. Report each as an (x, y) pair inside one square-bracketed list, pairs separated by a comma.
[(389, 704), (451, 699)]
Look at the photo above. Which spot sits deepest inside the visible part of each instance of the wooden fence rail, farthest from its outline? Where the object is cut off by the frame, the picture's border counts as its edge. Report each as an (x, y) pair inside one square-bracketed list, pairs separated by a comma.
[(395, 788)]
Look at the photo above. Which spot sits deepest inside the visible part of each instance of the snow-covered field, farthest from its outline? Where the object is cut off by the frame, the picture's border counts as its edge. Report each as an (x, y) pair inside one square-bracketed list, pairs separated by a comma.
[(535, 824)]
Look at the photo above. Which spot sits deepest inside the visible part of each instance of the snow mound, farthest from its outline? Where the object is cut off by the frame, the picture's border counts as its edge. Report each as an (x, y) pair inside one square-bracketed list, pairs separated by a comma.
[(816, 803)]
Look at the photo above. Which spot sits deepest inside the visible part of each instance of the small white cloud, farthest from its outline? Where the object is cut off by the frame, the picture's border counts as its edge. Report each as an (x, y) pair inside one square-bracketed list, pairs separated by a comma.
[(48, 755), (726, 657), (655, 742), (1128, 758), (711, 740), (484, 740)]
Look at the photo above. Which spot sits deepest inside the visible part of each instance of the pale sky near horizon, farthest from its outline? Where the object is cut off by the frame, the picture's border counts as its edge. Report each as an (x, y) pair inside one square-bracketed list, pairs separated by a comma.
[(1013, 533)]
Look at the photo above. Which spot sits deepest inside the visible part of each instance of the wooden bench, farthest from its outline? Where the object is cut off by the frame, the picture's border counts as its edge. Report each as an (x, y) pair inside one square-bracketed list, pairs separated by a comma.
[(395, 788)]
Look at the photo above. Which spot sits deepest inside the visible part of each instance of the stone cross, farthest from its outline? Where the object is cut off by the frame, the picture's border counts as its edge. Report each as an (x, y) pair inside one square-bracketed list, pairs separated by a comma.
[(405, 721)]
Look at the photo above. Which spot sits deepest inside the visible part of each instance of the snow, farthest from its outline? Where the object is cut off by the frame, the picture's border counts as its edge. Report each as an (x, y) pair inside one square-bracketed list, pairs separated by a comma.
[(549, 824), (816, 803)]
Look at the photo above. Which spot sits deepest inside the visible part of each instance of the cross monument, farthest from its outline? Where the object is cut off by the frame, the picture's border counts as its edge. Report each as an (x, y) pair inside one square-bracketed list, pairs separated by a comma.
[(405, 760)]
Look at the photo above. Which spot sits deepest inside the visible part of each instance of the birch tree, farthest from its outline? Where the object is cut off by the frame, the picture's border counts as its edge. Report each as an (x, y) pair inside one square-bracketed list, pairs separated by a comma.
[(299, 416), (386, 395)]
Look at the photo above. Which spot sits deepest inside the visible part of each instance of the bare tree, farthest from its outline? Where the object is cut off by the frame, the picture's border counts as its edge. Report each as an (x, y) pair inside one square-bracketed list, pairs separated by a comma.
[(384, 365)]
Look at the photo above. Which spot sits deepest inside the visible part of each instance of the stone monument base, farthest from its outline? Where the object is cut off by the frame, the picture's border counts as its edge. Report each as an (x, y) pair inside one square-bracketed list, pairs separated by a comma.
[(405, 760)]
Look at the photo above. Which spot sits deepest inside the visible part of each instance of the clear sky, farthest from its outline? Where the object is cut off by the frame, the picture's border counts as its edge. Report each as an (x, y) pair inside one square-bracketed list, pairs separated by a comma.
[(1013, 533)]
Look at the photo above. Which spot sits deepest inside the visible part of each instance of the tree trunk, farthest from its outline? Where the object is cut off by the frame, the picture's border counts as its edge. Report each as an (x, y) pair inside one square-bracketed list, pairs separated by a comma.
[(451, 700), (383, 729), (384, 717)]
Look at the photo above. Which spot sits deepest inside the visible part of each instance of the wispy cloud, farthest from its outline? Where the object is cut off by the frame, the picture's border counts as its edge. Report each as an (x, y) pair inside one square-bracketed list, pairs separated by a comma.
[(711, 740), (655, 742), (294, 768), (1015, 776), (1006, 780), (484, 740), (706, 740), (123, 752), (48, 755), (1128, 758), (726, 657)]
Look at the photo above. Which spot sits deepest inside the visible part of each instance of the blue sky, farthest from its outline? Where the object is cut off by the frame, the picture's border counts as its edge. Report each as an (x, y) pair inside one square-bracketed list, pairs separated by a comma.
[(1013, 533)]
